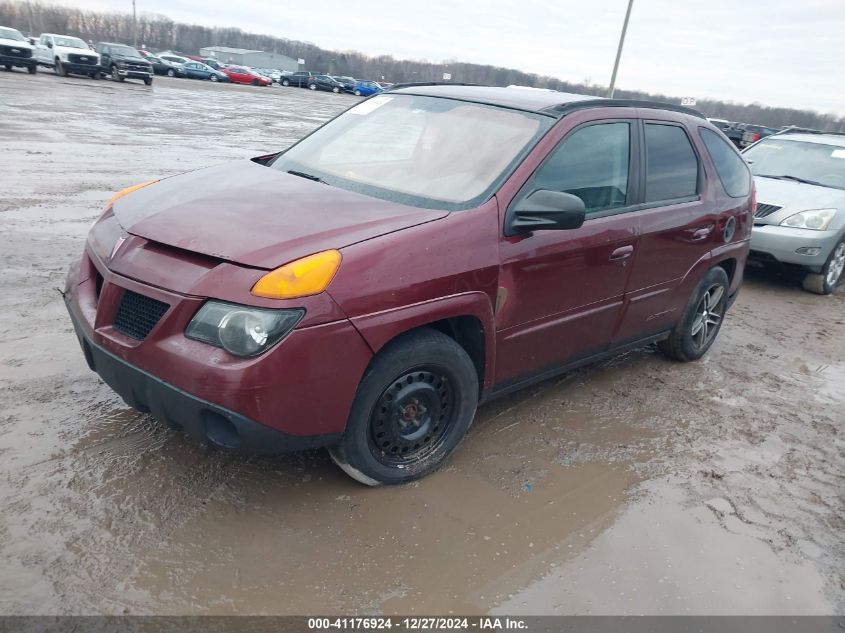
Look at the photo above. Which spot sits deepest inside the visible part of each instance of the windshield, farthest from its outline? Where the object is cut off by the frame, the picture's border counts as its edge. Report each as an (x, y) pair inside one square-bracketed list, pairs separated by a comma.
[(421, 151), (11, 34), (126, 51), (814, 162), (69, 42)]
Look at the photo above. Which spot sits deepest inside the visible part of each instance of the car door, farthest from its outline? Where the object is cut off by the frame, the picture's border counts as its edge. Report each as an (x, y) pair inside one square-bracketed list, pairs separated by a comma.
[(45, 53), (676, 229), (561, 292), (105, 56)]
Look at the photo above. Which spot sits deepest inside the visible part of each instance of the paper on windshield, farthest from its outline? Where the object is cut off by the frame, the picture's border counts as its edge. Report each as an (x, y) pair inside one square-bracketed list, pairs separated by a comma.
[(838, 153), (370, 104)]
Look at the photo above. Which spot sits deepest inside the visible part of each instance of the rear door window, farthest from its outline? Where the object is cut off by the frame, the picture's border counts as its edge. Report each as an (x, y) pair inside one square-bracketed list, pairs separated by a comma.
[(671, 163), (732, 170), (591, 163)]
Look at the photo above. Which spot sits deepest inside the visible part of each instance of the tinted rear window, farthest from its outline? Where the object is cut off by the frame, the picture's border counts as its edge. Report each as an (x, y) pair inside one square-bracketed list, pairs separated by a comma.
[(672, 166), (732, 170)]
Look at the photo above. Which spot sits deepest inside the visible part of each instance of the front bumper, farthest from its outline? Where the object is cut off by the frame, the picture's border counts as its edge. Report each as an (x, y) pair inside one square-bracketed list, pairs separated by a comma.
[(20, 62), (80, 69), (134, 74), (297, 395), (782, 242), (202, 420)]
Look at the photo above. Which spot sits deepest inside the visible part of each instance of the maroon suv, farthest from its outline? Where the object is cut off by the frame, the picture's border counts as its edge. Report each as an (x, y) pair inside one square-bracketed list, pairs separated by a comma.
[(427, 250)]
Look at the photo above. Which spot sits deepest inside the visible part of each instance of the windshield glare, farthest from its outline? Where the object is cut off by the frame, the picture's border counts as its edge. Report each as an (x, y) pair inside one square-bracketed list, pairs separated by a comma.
[(824, 164), (422, 151), (11, 34), (69, 42)]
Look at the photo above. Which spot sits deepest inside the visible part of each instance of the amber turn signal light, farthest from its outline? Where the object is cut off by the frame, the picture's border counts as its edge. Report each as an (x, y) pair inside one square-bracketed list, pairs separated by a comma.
[(301, 278), (127, 191)]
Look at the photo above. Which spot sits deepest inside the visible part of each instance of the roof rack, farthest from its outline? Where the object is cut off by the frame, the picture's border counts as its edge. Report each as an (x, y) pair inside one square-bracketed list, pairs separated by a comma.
[(566, 108)]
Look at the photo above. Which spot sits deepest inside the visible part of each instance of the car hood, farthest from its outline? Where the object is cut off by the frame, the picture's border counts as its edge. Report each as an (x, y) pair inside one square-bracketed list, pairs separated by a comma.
[(257, 216), (794, 197), (16, 44), (131, 58)]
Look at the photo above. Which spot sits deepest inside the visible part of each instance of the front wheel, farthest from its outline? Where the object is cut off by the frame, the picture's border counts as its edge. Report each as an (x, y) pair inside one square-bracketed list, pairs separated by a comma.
[(32, 69), (312, 86), (214, 78), (115, 75), (413, 407), (59, 68), (825, 282), (171, 72), (95, 75), (285, 82), (8, 67), (693, 335), (148, 81), (335, 89), (357, 93)]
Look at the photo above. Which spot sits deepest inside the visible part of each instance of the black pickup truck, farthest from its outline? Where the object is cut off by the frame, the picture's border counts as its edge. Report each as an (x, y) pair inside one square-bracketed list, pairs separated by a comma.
[(123, 62)]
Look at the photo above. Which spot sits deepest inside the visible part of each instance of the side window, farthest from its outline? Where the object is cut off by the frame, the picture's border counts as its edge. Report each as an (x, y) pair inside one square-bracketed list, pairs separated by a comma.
[(591, 163), (732, 170), (671, 163)]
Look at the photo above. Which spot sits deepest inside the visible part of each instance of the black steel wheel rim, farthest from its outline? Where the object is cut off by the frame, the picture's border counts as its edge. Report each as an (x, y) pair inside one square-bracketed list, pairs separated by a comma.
[(412, 417)]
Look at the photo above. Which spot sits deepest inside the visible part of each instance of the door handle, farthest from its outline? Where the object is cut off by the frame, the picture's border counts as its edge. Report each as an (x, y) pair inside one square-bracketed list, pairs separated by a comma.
[(702, 233), (623, 252)]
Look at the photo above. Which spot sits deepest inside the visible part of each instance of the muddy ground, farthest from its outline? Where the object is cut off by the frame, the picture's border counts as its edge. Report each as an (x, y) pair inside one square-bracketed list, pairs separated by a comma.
[(635, 486)]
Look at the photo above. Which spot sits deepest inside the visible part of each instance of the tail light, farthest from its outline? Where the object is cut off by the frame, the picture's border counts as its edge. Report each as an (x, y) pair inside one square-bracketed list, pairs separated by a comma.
[(756, 137)]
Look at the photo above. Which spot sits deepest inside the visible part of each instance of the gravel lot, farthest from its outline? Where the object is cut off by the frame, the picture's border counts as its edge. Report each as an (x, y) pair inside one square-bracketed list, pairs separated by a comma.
[(634, 486)]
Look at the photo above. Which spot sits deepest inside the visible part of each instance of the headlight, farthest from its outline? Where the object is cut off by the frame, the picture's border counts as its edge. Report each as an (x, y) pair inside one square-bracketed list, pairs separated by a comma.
[(241, 330), (815, 219)]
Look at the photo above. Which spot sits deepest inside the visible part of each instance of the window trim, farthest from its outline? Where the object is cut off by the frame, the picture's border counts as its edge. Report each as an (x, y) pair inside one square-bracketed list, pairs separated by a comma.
[(633, 194), (700, 176)]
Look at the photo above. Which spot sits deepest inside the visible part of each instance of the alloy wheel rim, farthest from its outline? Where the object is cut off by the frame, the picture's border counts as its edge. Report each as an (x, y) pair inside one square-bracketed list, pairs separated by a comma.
[(412, 417), (837, 265), (708, 316)]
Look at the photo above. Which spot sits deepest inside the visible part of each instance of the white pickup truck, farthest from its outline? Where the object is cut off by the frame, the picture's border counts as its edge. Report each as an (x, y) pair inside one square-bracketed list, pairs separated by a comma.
[(66, 54), (15, 50)]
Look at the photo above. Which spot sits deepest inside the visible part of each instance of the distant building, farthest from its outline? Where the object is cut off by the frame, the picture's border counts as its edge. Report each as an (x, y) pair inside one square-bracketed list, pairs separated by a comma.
[(244, 57)]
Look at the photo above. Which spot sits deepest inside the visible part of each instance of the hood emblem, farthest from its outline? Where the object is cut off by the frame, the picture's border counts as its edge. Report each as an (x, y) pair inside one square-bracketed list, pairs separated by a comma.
[(117, 246)]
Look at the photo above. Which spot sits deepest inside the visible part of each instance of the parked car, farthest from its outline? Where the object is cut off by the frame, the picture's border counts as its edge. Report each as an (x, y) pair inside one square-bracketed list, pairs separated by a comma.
[(734, 133), (216, 65), (721, 124), (325, 82), (66, 54), (173, 58), (752, 133), (161, 67), (244, 75), (122, 62), (301, 78), (198, 70), (365, 88), (347, 82), (368, 286), (16, 51), (800, 218)]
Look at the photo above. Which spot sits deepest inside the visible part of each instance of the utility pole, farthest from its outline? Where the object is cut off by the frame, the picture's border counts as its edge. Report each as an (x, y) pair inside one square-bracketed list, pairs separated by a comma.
[(618, 50), (135, 26)]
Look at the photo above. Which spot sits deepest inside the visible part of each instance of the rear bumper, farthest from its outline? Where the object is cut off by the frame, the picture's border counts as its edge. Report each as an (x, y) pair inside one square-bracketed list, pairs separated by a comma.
[(782, 244), (202, 420)]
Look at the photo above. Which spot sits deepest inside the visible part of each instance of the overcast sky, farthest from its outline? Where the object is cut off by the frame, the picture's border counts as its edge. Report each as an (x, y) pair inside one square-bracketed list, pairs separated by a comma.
[(778, 52)]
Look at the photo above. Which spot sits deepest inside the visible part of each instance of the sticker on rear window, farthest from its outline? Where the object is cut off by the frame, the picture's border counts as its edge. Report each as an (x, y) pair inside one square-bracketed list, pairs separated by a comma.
[(370, 104), (838, 153)]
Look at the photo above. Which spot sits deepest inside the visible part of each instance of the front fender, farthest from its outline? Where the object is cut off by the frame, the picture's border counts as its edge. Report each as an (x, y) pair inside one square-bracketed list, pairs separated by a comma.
[(379, 328)]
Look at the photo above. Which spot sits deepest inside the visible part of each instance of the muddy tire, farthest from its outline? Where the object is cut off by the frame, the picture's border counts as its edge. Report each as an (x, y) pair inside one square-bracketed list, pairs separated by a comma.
[(825, 282), (413, 407), (693, 335)]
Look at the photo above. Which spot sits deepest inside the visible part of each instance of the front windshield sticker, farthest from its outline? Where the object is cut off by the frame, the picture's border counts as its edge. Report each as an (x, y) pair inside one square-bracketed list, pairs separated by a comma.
[(838, 153), (370, 104)]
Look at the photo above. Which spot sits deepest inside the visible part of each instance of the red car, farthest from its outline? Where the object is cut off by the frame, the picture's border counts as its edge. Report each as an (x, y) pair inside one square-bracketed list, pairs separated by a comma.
[(430, 249), (244, 75)]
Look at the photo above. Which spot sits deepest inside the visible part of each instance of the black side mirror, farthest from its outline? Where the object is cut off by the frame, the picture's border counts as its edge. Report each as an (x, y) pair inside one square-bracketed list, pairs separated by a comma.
[(49, 44), (545, 210), (32, 41)]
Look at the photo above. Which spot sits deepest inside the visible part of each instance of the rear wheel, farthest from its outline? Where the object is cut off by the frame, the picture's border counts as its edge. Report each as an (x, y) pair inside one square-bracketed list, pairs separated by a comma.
[(95, 75), (413, 407), (693, 335), (32, 69), (826, 282)]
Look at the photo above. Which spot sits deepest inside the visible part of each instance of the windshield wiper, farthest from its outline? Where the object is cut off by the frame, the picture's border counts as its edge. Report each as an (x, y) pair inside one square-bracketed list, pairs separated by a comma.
[(302, 174), (795, 178)]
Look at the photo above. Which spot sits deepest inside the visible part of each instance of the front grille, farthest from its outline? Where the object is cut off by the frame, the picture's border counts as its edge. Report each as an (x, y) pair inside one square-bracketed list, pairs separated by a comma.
[(766, 209), (139, 68), (15, 51), (75, 58), (137, 314)]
